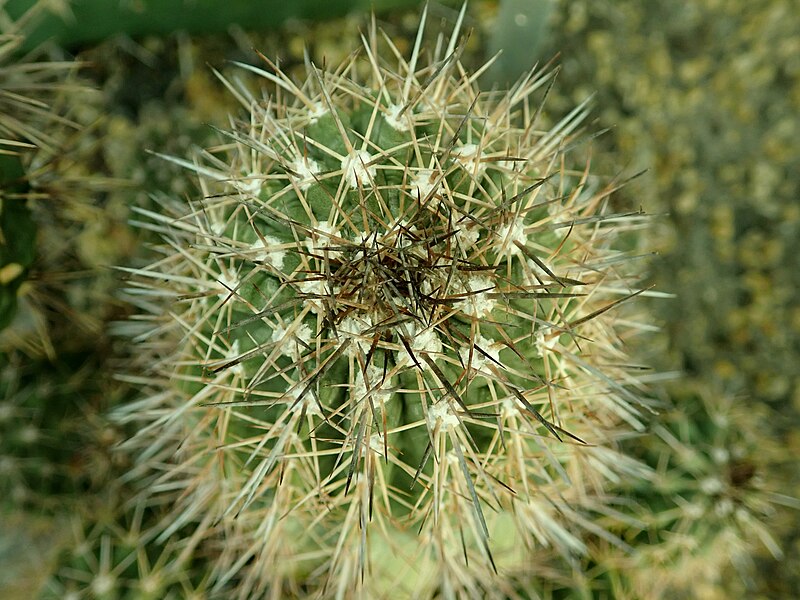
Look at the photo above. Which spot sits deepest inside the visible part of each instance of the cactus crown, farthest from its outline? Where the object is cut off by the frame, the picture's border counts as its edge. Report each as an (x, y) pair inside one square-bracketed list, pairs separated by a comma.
[(390, 306)]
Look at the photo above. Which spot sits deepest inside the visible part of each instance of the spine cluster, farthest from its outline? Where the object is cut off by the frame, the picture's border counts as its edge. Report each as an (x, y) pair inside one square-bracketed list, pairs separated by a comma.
[(387, 327)]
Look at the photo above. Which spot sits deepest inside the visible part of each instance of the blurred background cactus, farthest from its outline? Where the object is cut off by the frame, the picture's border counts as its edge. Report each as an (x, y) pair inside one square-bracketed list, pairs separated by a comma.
[(697, 96), (53, 200), (27, 92)]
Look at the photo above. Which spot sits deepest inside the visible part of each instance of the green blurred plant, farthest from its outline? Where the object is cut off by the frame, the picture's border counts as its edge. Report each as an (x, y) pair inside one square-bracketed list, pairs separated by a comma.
[(76, 22), (29, 124), (518, 33), (17, 235), (114, 556), (706, 509), (52, 210)]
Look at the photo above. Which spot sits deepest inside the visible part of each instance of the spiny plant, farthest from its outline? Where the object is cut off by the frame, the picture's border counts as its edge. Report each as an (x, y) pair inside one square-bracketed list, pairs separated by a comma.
[(380, 352), (55, 445), (707, 508), (112, 556), (30, 473), (28, 85), (56, 460), (22, 112), (46, 199)]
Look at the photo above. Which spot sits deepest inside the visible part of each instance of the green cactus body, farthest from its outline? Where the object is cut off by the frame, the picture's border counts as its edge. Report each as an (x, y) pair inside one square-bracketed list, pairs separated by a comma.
[(384, 329)]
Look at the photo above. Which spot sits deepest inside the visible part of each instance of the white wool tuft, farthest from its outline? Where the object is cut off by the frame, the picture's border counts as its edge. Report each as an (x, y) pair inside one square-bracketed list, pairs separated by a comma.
[(440, 412), (395, 120), (356, 168), (269, 252), (508, 234), (306, 169)]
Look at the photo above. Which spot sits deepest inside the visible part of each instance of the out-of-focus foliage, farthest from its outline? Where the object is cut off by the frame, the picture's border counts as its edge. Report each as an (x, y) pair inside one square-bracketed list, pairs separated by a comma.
[(56, 460), (706, 96), (517, 35), (49, 185), (17, 235)]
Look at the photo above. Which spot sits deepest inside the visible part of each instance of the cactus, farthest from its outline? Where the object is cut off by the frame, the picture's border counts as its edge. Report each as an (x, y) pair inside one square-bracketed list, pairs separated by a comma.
[(38, 101), (55, 447), (18, 131), (17, 236), (712, 500), (380, 351), (112, 556)]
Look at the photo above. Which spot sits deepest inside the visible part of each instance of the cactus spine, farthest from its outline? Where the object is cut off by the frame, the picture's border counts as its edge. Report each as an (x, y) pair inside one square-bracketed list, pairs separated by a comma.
[(384, 330)]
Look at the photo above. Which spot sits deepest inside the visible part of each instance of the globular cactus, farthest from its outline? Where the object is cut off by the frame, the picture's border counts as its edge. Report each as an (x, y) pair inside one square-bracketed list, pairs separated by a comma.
[(380, 352), (712, 502), (110, 554), (47, 199), (25, 88), (17, 236)]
